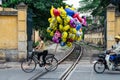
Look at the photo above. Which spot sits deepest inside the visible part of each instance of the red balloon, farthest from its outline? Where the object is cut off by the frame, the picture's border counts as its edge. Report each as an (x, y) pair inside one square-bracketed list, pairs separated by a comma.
[(56, 12), (76, 15), (70, 40)]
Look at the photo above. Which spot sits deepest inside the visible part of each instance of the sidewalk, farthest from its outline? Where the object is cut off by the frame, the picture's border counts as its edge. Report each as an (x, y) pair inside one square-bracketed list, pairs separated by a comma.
[(60, 52)]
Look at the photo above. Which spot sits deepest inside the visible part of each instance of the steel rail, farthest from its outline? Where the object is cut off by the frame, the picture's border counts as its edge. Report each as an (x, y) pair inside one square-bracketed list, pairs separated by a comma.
[(69, 70)]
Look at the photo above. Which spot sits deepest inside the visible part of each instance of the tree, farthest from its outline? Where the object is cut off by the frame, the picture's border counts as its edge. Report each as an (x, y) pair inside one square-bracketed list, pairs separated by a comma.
[(88, 5), (39, 8)]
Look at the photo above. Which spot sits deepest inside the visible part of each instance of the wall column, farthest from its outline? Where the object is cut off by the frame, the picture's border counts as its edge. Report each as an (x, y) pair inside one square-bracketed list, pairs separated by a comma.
[(22, 30), (110, 32)]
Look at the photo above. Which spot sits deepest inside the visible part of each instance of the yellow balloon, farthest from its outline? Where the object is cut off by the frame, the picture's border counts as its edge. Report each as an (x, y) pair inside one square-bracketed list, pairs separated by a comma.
[(69, 44), (71, 30), (51, 33), (60, 27), (64, 40), (62, 12), (68, 19), (55, 28), (53, 20), (59, 20), (74, 31), (64, 35), (79, 38), (72, 8), (52, 25), (49, 29), (72, 36), (51, 11), (65, 22), (66, 27), (49, 19), (56, 24), (66, 6)]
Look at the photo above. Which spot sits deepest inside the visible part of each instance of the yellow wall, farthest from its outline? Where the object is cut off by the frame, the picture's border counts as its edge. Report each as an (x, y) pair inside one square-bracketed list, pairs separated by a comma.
[(13, 32), (117, 30), (8, 32), (113, 25), (113, 28), (94, 38)]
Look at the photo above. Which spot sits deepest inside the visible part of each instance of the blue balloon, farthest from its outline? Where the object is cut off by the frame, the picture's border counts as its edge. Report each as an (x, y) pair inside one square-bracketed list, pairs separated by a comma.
[(69, 12), (62, 43), (78, 27)]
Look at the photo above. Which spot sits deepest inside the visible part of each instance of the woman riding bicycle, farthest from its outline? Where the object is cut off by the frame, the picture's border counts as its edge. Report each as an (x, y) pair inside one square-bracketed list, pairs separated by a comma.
[(41, 50)]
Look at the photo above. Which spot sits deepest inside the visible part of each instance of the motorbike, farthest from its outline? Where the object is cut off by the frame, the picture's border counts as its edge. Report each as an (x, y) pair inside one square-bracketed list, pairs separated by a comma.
[(104, 63)]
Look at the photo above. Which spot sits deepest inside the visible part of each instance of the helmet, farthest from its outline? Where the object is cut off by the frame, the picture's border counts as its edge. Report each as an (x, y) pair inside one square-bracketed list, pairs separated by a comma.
[(117, 37)]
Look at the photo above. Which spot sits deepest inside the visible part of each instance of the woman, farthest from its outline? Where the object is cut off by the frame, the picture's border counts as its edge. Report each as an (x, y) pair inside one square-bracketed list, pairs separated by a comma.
[(40, 49)]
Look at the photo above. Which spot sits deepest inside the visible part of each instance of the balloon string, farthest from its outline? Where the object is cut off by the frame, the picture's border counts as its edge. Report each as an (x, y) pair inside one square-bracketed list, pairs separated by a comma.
[(56, 48)]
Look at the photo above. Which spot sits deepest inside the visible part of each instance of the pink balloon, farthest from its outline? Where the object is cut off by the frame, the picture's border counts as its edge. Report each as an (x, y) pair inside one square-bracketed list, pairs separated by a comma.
[(57, 34), (84, 22), (56, 37)]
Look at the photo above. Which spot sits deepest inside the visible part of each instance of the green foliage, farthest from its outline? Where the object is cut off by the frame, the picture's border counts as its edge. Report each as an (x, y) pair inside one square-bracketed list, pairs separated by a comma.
[(88, 5)]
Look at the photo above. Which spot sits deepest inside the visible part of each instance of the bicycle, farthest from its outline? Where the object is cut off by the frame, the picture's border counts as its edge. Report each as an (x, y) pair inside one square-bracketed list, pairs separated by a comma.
[(29, 65)]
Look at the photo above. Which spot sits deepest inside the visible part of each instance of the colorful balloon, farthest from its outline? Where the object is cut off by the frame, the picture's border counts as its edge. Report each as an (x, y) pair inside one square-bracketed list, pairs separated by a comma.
[(84, 22), (69, 11), (76, 15), (78, 33), (64, 40), (62, 43), (55, 40), (74, 31), (62, 12), (61, 27), (59, 20), (51, 11), (71, 36), (64, 35), (66, 27), (72, 24), (78, 27), (69, 44), (51, 33), (70, 40), (56, 12), (49, 29), (57, 34)]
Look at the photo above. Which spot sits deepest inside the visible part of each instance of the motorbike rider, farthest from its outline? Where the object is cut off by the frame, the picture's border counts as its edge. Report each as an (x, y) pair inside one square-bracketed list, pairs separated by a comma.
[(115, 51)]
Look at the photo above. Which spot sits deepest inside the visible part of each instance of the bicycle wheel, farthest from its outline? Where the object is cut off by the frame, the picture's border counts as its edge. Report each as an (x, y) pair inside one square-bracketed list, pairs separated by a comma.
[(51, 64), (28, 65)]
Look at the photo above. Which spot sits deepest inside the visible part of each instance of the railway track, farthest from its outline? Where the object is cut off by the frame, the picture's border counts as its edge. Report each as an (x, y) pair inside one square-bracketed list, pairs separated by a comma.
[(76, 49), (69, 70)]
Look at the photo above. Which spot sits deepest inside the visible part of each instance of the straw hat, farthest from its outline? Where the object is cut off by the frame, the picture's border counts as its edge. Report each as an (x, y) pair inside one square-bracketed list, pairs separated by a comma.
[(117, 37)]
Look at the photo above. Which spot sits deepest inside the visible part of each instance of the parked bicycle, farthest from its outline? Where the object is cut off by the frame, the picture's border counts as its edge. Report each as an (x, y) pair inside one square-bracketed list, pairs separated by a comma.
[(29, 65)]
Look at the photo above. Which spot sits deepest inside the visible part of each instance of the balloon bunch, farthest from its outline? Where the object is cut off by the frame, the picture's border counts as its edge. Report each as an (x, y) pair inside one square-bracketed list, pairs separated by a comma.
[(65, 25)]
